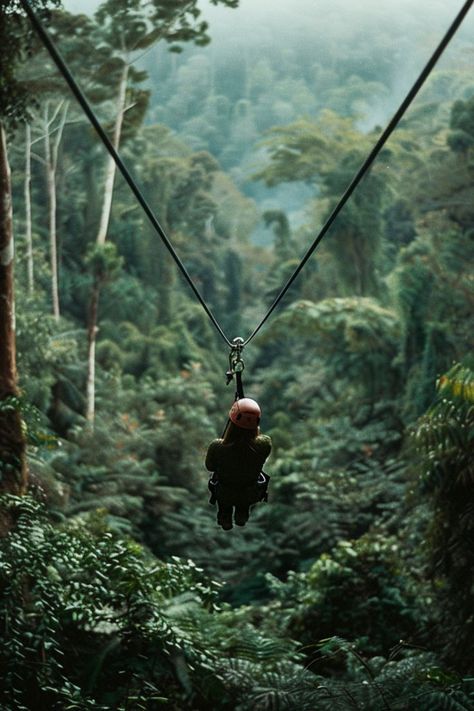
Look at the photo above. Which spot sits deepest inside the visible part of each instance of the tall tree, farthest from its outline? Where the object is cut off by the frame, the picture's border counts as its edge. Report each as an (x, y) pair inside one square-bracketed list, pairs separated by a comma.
[(14, 40), (104, 264), (52, 129), (12, 442), (28, 223)]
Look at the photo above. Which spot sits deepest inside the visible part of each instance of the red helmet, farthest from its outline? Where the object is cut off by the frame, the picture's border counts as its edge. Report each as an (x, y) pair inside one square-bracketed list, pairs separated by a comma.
[(245, 413)]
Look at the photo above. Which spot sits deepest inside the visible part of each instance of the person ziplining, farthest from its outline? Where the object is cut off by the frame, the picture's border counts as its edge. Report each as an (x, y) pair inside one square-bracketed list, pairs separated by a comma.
[(236, 457), (236, 461)]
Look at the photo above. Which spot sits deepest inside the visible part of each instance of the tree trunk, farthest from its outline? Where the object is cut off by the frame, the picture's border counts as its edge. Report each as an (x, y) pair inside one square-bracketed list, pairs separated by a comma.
[(51, 150), (111, 166), (91, 341), (28, 229), (92, 328), (13, 471), (53, 238)]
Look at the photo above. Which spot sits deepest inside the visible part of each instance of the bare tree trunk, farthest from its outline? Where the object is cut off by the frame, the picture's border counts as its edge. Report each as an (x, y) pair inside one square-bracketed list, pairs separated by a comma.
[(91, 340), (28, 229), (51, 150), (53, 240), (51, 188), (13, 470), (111, 166), (92, 327)]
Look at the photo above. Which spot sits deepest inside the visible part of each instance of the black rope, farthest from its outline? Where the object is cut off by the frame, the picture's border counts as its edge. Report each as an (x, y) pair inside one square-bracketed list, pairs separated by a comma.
[(239, 387), (62, 66), (239, 394), (370, 158)]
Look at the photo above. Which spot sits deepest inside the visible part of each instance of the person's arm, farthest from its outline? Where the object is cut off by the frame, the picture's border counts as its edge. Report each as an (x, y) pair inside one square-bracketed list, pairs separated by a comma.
[(264, 445), (211, 458)]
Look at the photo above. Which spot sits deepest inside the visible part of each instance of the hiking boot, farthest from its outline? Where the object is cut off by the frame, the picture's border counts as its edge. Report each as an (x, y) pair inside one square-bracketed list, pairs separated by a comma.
[(225, 522)]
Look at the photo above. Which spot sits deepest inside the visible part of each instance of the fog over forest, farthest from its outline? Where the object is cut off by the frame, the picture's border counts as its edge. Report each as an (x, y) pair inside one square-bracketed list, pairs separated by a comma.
[(393, 40), (278, 25)]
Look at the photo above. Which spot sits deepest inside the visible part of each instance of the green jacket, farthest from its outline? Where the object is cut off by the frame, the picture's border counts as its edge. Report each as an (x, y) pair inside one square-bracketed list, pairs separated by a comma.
[(239, 463)]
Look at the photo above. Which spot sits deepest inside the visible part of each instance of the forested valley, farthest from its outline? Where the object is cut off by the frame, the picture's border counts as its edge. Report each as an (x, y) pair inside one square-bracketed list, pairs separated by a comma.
[(352, 588)]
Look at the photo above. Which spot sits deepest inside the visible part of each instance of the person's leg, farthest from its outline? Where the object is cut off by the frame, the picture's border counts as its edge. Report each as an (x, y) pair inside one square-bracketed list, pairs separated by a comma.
[(241, 514), (224, 516)]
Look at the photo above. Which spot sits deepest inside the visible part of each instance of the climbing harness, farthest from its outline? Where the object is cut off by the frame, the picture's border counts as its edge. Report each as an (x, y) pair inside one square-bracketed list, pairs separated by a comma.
[(260, 489), (55, 55)]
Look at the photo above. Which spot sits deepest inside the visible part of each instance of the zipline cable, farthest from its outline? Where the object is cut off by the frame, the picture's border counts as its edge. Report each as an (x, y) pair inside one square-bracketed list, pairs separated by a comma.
[(63, 68), (47, 41), (370, 158)]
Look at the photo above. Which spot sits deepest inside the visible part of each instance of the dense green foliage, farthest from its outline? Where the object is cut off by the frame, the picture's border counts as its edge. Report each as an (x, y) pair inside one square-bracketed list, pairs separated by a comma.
[(352, 588)]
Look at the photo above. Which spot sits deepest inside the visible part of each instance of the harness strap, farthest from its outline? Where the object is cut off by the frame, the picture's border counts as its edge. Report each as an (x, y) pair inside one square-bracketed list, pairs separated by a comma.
[(239, 393), (263, 480)]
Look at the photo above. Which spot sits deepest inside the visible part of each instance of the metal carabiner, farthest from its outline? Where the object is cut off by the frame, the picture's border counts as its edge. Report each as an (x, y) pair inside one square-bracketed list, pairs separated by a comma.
[(236, 363)]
